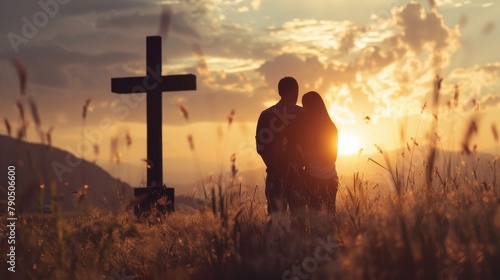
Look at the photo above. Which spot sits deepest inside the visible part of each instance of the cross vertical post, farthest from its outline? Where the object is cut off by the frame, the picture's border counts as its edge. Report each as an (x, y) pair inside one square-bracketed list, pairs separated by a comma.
[(154, 114)]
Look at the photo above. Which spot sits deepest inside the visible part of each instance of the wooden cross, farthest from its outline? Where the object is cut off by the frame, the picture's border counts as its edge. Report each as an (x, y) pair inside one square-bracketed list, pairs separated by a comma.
[(153, 84)]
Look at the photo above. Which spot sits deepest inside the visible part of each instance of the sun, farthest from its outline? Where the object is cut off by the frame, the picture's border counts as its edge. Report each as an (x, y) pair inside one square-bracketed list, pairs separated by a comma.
[(349, 144)]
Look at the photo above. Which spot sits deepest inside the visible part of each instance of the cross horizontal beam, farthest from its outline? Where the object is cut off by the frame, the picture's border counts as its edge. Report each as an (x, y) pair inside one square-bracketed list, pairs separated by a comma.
[(144, 84)]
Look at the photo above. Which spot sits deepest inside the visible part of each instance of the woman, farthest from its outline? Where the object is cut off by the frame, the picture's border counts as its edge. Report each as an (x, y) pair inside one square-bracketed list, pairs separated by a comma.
[(319, 142)]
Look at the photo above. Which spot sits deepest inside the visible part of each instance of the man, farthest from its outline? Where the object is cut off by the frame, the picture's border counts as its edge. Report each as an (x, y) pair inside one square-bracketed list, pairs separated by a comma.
[(278, 149)]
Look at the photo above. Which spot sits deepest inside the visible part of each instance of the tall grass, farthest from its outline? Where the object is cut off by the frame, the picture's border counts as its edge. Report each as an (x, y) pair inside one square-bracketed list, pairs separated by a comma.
[(446, 235)]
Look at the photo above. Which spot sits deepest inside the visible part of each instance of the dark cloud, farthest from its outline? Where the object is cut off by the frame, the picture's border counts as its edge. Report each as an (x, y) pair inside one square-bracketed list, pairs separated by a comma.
[(375, 58), (307, 71), (420, 29), (51, 65), (75, 7), (180, 22)]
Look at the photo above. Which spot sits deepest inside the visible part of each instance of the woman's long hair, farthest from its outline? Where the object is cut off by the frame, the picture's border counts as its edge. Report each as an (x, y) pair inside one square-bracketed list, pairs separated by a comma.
[(320, 134)]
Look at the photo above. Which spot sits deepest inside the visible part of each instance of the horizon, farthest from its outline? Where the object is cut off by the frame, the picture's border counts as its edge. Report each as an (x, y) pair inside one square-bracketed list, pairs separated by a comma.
[(134, 174)]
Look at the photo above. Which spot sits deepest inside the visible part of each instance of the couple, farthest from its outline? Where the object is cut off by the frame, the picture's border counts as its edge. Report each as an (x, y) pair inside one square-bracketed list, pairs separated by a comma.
[(299, 147)]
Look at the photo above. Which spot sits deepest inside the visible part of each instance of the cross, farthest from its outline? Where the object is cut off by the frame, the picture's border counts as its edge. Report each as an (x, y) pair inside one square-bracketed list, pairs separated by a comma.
[(153, 84)]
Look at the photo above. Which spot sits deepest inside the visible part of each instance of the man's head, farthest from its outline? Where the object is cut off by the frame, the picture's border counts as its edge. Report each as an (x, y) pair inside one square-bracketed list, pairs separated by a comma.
[(288, 89)]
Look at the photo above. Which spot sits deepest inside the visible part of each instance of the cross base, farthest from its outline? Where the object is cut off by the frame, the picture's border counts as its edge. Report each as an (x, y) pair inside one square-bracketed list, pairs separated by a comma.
[(150, 199)]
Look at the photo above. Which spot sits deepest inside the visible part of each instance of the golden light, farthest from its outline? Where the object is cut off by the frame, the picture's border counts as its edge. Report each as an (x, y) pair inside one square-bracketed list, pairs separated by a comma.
[(349, 144)]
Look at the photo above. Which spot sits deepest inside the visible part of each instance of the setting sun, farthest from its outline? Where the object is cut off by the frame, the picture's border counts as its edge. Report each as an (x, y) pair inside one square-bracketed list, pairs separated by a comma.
[(348, 144)]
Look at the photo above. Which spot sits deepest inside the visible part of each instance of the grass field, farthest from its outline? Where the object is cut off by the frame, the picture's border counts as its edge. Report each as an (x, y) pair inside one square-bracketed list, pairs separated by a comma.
[(449, 231)]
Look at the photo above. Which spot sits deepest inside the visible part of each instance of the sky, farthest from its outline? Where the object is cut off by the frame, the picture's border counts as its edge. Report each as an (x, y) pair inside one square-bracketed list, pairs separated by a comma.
[(374, 63)]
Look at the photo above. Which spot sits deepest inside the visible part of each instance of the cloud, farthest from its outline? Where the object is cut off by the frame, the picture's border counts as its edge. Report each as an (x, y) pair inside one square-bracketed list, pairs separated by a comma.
[(478, 83), (49, 65), (308, 71), (180, 22), (421, 30)]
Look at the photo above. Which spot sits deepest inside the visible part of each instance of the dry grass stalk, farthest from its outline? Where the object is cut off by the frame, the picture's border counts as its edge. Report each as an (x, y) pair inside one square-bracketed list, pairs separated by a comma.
[(21, 132), (494, 131), (85, 109), (20, 108), (166, 15), (115, 154), (437, 89), (184, 110), (456, 96), (202, 64), (36, 119), (22, 74), (234, 170), (48, 135), (96, 152), (128, 139), (431, 160), (230, 117), (423, 107), (471, 130), (7, 126), (191, 142), (34, 112)]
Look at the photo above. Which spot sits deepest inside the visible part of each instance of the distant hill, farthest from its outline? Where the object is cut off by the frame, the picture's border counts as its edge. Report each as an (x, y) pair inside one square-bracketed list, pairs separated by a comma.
[(42, 172)]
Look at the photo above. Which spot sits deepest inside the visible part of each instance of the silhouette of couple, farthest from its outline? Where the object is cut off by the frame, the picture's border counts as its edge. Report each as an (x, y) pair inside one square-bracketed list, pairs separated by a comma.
[(299, 147)]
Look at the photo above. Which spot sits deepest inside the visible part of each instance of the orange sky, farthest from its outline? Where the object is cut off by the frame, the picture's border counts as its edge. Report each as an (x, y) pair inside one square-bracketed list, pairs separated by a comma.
[(375, 60)]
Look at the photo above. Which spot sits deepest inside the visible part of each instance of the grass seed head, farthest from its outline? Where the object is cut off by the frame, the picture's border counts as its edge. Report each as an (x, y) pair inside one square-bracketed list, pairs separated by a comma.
[(85, 108), (21, 132), (494, 131), (96, 150), (166, 15), (34, 112), (191, 142), (230, 117), (48, 135), (128, 139), (184, 110), (456, 96), (8, 127), (20, 108), (115, 154), (471, 130), (437, 89), (22, 74)]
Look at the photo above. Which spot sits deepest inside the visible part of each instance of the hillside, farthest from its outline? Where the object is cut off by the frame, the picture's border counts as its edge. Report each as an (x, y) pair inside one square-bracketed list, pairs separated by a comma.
[(40, 170)]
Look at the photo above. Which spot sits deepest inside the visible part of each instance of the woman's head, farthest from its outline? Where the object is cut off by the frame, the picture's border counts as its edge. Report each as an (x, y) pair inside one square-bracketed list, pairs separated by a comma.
[(313, 103), (320, 132)]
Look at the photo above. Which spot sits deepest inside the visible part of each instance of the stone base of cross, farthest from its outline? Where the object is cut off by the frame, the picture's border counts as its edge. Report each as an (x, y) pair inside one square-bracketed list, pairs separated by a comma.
[(153, 84)]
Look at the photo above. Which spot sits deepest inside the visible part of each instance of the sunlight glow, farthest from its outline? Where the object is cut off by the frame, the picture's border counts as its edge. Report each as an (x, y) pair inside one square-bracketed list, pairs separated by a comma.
[(349, 144)]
